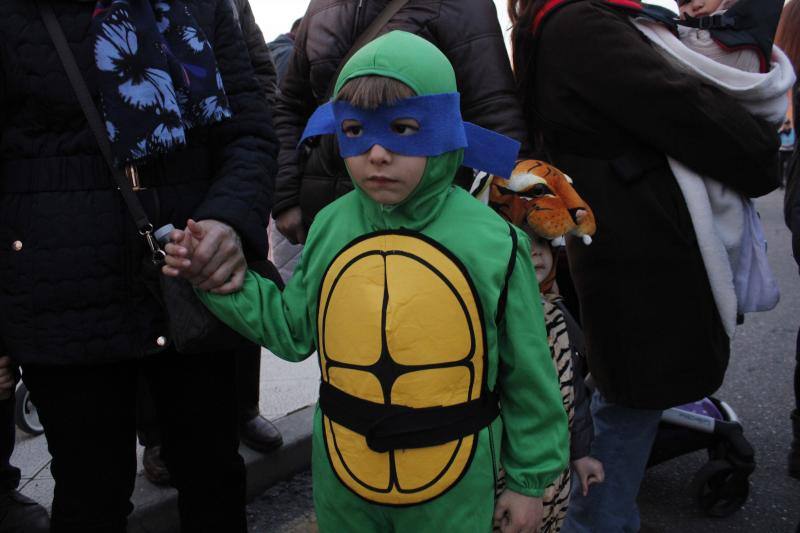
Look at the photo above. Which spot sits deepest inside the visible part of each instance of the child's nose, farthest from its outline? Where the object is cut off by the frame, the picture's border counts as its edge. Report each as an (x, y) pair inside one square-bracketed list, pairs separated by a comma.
[(378, 154)]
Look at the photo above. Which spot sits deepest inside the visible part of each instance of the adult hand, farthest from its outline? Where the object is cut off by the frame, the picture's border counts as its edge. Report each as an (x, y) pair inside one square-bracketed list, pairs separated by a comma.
[(7, 382), (290, 223), (217, 262), (517, 513)]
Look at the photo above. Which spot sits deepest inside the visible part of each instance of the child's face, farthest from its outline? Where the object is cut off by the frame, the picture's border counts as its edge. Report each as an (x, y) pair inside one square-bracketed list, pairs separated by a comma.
[(698, 8), (386, 177), (542, 256)]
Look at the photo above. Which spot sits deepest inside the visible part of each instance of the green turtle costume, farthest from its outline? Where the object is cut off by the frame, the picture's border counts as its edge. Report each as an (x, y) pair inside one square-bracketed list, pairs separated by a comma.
[(420, 314)]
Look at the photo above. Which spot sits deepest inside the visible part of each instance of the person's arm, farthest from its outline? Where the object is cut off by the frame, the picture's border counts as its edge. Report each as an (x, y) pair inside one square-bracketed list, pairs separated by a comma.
[(294, 106), (605, 61), (265, 315), (244, 146), (469, 33), (260, 56), (582, 430), (535, 447)]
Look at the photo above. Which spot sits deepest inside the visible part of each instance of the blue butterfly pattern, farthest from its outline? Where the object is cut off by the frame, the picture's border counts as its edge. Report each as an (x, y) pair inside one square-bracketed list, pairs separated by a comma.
[(158, 76)]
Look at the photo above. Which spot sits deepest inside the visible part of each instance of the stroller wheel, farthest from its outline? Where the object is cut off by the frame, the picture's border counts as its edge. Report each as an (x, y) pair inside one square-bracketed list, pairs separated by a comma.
[(720, 488), (25, 414)]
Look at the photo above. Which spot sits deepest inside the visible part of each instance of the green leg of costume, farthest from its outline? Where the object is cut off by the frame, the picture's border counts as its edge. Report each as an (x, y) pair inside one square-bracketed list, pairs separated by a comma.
[(466, 508)]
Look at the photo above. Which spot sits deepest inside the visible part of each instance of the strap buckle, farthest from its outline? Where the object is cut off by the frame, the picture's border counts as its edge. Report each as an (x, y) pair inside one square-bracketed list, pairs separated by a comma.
[(132, 173), (157, 255)]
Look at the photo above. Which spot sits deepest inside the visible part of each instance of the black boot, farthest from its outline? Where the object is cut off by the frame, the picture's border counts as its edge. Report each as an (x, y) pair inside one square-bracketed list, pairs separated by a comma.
[(260, 434), (20, 514), (794, 453)]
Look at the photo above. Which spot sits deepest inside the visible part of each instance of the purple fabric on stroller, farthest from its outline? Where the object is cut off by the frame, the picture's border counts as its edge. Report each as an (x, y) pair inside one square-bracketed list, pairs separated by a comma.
[(703, 407)]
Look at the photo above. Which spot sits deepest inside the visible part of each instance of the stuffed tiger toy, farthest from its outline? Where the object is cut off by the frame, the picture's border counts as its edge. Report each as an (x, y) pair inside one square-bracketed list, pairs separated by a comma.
[(540, 196)]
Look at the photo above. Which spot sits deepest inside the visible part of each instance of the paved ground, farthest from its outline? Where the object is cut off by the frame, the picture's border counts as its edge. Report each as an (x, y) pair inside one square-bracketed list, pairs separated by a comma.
[(285, 508), (758, 387)]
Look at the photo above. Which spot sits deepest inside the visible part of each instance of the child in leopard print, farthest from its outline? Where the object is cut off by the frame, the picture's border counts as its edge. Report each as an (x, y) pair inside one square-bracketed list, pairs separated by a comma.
[(520, 200), (566, 347)]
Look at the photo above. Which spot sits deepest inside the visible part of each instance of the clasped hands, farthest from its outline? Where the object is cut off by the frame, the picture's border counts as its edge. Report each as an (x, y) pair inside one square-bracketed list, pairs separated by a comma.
[(208, 253)]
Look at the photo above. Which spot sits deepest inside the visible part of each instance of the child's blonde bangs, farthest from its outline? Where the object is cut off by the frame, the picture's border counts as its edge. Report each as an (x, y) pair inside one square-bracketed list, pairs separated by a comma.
[(371, 92)]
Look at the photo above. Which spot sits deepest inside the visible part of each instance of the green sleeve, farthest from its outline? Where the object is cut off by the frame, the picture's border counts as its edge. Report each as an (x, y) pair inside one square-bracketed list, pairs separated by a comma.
[(265, 315), (535, 447)]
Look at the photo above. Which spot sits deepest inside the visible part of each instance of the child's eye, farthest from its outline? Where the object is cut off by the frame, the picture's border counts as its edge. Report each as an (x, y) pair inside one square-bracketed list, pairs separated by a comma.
[(352, 128), (405, 127)]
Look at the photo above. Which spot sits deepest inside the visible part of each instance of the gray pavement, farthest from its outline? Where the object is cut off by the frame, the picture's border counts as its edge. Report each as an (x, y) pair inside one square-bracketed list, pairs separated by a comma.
[(759, 387)]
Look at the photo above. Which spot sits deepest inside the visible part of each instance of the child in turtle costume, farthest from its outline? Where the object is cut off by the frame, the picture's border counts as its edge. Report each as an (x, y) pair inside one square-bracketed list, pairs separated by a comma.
[(434, 364)]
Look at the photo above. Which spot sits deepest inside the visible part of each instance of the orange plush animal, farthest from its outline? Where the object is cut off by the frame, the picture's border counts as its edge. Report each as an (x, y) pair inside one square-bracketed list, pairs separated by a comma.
[(541, 196)]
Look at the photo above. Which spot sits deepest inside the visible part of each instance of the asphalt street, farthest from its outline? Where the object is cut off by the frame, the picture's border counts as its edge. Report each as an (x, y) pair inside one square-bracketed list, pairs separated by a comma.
[(759, 388)]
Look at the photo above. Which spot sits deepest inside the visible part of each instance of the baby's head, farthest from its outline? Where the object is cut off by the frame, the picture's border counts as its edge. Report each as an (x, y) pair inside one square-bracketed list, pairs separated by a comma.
[(385, 176), (702, 8)]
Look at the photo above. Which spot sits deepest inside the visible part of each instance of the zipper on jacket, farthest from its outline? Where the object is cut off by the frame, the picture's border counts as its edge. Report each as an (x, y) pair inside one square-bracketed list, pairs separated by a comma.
[(357, 21)]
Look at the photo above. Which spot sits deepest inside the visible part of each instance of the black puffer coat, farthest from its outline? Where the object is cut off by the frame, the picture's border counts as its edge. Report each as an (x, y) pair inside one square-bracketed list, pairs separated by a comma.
[(71, 283), (467, 31)]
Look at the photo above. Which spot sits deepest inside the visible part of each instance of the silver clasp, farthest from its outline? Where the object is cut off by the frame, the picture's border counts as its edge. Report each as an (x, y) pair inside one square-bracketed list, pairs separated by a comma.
[(157, 254), (132, 173)]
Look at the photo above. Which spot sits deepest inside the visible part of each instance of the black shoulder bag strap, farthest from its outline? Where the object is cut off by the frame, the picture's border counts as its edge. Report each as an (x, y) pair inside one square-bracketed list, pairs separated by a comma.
[(368, 35), (143, 224)]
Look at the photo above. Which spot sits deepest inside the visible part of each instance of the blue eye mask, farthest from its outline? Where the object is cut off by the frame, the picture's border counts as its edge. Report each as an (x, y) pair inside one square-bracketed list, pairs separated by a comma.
[(441, 130)]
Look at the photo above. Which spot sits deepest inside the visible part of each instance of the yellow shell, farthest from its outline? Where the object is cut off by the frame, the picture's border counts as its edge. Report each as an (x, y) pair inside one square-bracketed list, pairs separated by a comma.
[(391, 306)]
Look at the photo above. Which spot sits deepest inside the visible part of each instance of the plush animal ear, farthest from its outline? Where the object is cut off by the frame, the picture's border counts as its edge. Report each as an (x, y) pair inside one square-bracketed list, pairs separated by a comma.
[(498, 189)]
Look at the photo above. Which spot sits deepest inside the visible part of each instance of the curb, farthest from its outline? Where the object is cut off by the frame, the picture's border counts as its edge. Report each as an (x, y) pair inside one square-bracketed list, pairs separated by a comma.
[(156, 508)]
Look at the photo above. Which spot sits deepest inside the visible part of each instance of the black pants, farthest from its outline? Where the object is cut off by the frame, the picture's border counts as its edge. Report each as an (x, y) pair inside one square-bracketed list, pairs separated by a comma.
[(248, 381), (9, 475), (248, 384), (89, 416)]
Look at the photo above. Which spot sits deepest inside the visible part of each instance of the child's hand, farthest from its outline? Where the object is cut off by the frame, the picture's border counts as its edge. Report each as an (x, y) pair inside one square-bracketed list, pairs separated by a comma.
[(590, 471), (517, 513), (209, 254), (180, 249), (6, 378)]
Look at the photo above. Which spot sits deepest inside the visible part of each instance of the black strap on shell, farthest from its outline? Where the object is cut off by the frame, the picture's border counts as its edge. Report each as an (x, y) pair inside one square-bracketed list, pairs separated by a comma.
[(396, 427)]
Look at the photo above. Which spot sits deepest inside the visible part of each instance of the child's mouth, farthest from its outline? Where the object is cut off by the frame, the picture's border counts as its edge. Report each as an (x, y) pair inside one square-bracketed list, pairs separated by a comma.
[(381, 180)]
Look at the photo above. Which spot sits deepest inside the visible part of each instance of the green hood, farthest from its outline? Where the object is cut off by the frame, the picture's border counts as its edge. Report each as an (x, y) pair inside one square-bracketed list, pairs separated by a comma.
[(420, 65)]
